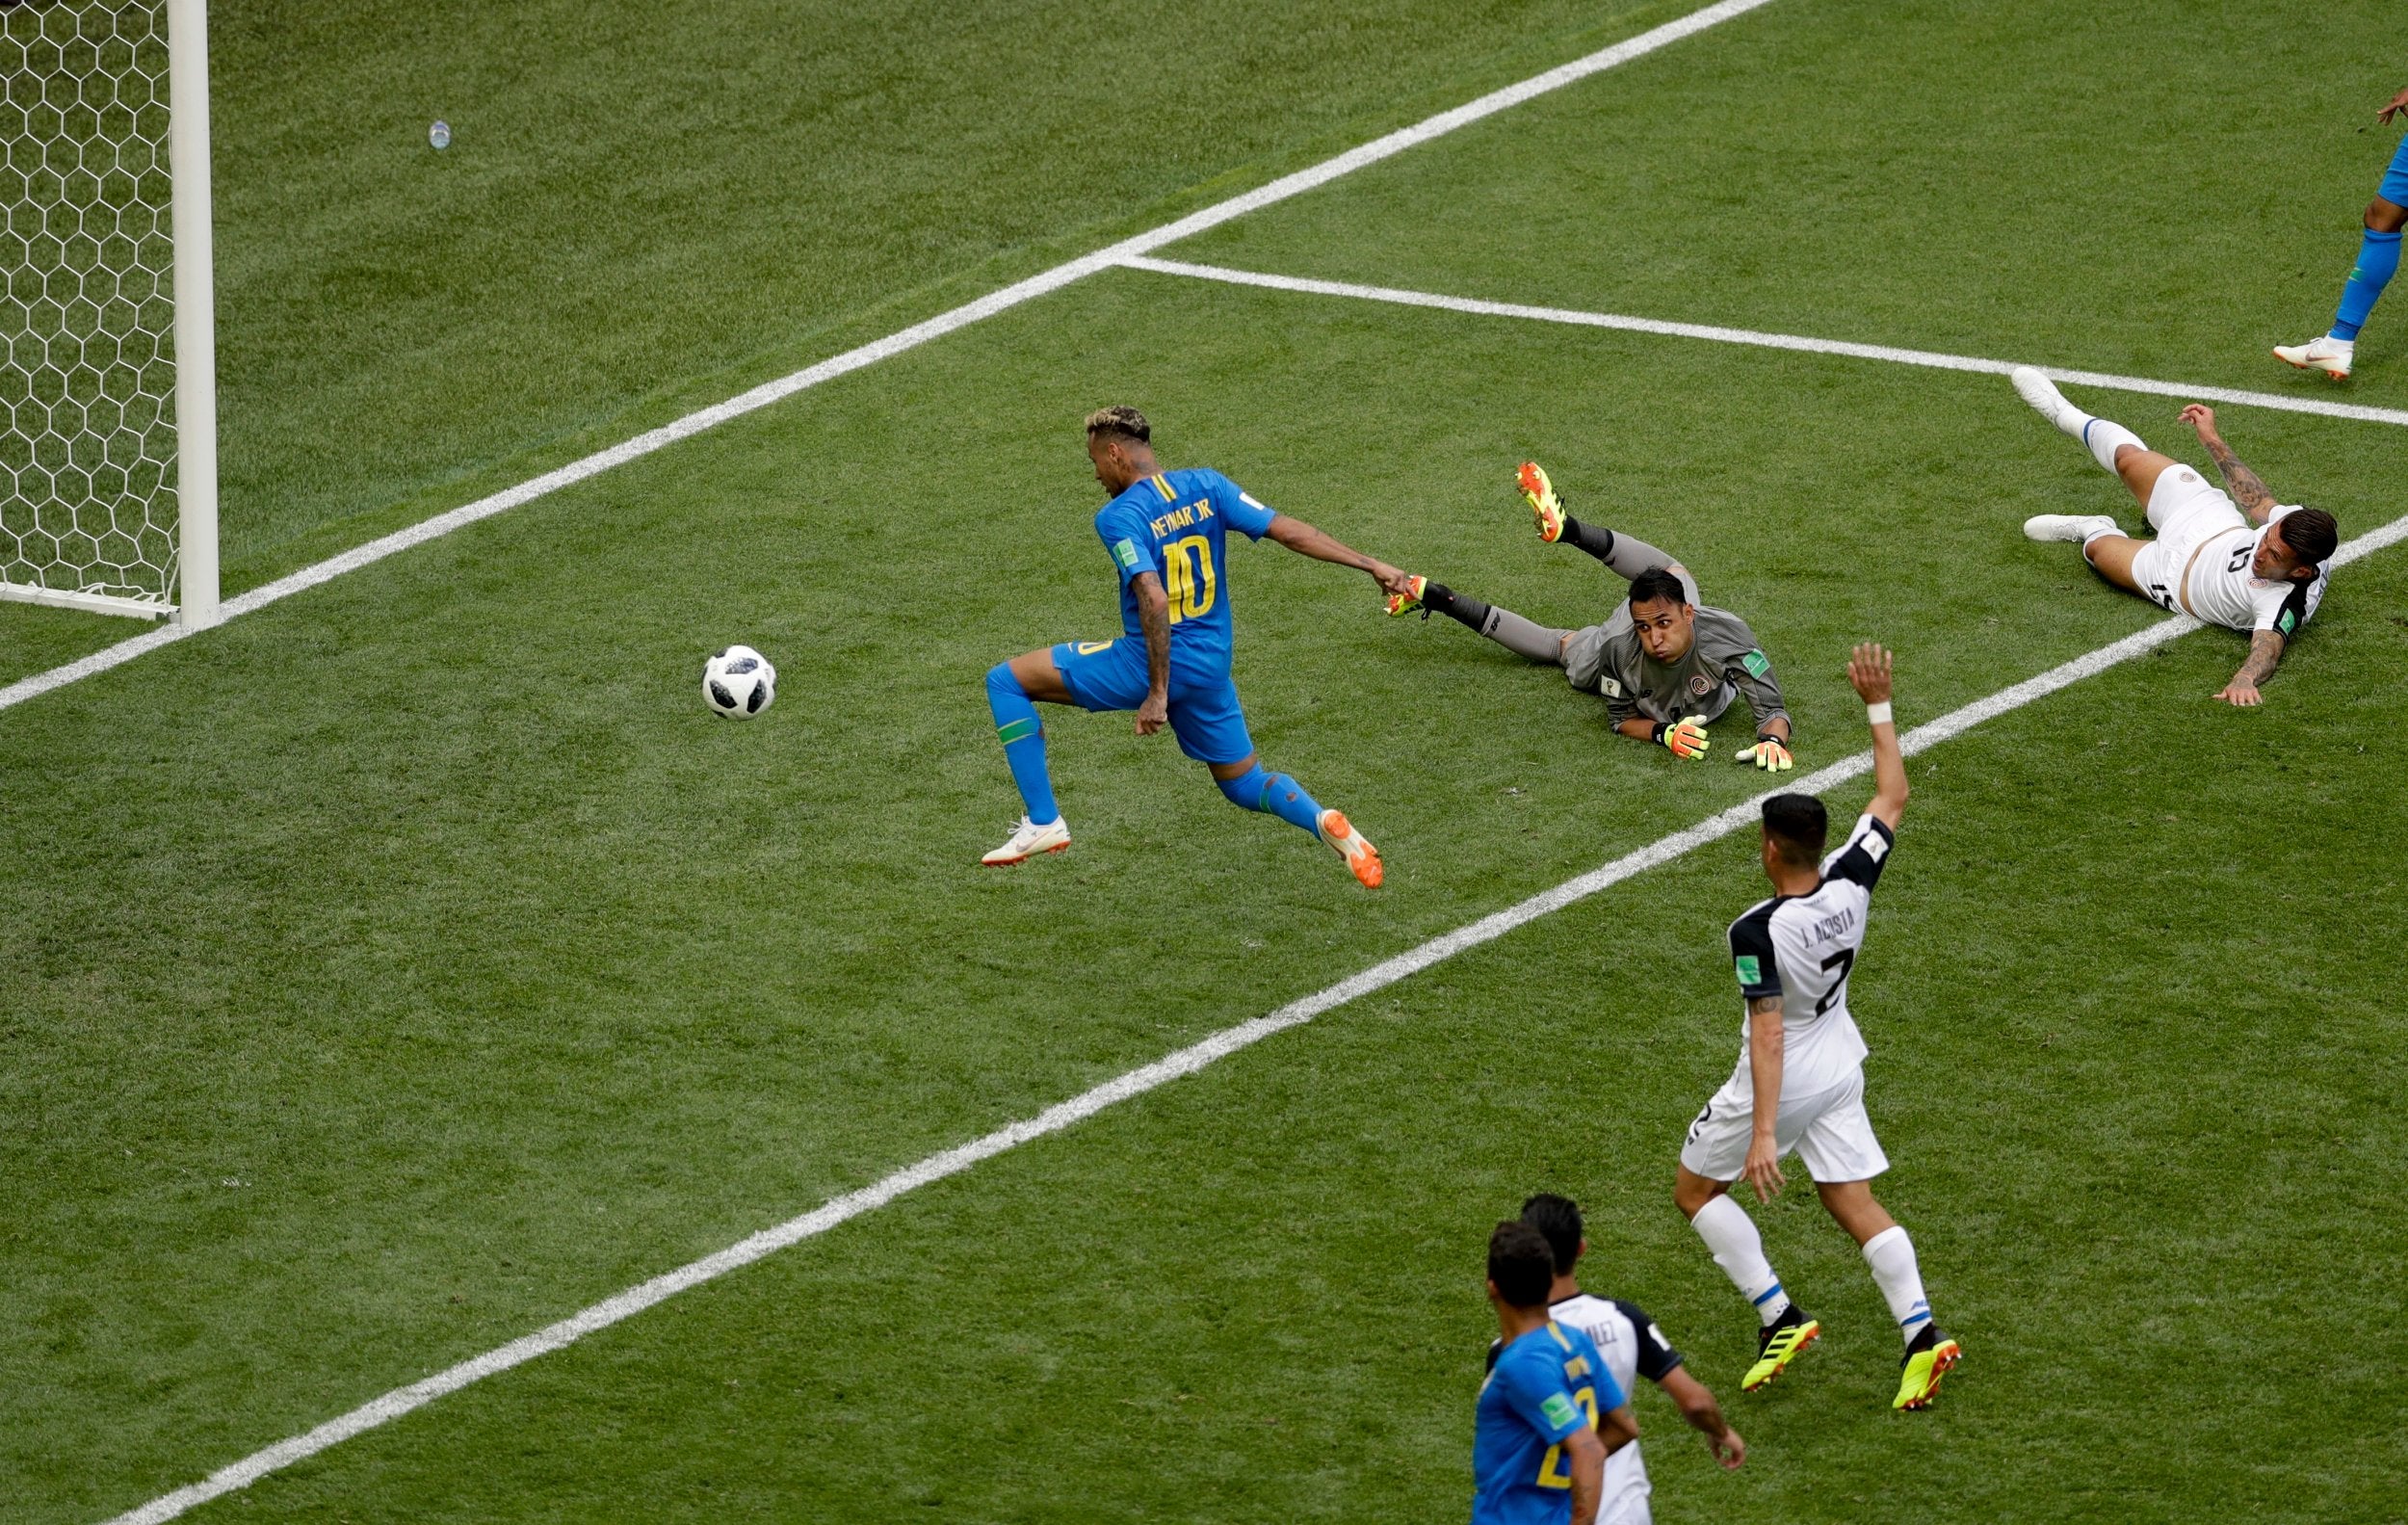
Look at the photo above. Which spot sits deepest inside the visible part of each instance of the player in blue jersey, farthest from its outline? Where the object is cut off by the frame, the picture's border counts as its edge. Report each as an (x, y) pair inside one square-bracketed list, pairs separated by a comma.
[(1166, 534), (1551, 1409), (2378, 260)]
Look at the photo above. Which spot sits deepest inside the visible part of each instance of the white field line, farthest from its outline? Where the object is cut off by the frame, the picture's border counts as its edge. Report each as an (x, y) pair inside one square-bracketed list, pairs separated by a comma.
[(897, 343), (1764, 341), (1137, 1082)]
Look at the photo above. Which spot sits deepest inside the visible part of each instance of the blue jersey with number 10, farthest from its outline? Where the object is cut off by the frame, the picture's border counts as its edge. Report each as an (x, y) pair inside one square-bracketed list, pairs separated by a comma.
[(1174, 524)]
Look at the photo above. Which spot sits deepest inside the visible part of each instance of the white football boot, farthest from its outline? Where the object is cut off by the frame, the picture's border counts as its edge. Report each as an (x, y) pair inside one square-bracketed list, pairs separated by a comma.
[(1027, 840), (2047, 400), (2324, 353), (2069, 527)]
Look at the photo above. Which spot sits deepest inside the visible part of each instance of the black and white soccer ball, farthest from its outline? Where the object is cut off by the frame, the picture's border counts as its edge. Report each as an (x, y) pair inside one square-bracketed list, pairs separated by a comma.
[(737, 683)]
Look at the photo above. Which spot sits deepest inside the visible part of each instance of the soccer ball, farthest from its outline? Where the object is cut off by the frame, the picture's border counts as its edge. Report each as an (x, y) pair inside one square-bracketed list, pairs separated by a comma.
[(737, 683)]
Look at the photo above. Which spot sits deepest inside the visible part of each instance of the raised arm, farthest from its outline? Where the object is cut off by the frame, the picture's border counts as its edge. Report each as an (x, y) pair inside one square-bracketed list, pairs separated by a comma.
[(1153, 619), (2266, 651), (1305, 540), (2248, 490), (1869, 669)]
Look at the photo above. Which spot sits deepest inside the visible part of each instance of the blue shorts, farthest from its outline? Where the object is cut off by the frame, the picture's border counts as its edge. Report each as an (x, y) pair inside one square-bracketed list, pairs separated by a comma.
[(2395, 178), (1204, 712)]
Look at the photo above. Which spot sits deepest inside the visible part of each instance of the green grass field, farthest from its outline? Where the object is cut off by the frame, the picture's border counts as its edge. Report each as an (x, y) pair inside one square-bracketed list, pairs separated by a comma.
[(411, 964)]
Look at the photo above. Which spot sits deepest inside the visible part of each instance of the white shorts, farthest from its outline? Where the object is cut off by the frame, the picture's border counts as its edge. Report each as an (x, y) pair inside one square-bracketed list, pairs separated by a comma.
[(2185, 510), (1628, 1507), (1829, 1131)]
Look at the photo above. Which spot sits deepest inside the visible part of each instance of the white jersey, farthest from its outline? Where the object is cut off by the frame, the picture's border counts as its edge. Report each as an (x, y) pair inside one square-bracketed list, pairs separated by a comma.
[(2199, 562), (1801, 948), (2221, 591), (1633, 1348)]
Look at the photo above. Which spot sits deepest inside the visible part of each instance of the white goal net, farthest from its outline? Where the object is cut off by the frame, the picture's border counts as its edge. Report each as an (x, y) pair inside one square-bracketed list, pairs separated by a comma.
[(103, 497)]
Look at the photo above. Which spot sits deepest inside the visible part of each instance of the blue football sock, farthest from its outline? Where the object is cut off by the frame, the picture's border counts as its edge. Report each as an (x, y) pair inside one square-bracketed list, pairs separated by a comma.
[(1023, 736), (1275, 794), (2378, 259)]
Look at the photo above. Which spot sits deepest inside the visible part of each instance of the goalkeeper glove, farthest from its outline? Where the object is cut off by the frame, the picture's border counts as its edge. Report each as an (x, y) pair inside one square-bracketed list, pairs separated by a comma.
[(1770, 753), (1684, 738)]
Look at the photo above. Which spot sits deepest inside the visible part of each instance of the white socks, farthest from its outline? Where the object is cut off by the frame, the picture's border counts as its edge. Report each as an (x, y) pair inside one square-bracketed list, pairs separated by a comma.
[(2104, 438), (1740, 1250), (2100, 437), (1892, 1256)]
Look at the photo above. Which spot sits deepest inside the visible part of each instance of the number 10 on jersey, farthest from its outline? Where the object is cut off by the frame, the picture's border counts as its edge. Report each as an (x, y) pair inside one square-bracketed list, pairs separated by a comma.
[(1188, 577)]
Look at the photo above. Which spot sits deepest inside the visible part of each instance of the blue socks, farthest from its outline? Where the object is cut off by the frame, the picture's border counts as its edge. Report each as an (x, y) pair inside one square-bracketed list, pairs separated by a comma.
[(2378, 259), (1023, 736), (1276, 794)]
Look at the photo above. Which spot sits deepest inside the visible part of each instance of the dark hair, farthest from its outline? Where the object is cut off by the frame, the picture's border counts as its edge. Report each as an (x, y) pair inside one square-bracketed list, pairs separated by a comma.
[(1799, 825), (2311, 535), (1658, 583), (1521, 1264), (1120, 421), (1558, 1218)]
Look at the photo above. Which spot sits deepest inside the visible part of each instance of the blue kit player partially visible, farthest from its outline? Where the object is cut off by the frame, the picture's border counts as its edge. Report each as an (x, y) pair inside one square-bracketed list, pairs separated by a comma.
[(2335, 351), (1551, 1409), (1166, 534)]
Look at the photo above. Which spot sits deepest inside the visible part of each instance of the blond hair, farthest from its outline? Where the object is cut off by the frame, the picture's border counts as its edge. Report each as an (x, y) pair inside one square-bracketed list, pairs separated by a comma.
[(1122, 420)]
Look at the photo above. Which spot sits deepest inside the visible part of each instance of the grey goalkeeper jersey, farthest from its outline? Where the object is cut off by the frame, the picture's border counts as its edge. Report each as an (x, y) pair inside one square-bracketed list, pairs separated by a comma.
[(1724, 662)]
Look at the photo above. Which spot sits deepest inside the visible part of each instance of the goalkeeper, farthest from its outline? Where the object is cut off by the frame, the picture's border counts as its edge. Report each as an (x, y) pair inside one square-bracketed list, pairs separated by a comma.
[(1667, 666)]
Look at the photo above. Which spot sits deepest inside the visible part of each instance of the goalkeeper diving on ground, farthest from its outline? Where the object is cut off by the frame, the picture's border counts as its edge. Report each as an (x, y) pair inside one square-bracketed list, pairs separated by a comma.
[(1667, 666)]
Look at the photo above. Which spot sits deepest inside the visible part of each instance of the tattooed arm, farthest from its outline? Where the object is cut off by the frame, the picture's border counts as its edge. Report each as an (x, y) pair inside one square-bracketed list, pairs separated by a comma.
[(2247, 489), (2266, 650)]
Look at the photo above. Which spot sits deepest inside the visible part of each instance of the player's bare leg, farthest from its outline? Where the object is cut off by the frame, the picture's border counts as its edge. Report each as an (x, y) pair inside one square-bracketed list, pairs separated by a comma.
[(1784, 1331), (1013, 690), (1890, 1254), (1040, 678), (1248, 787), (2111, 557), (2117, 449)]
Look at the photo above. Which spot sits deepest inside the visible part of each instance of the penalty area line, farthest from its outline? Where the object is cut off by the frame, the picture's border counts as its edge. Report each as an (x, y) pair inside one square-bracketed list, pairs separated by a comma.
[(895, 343), (1930, 358), (1137, 1082)]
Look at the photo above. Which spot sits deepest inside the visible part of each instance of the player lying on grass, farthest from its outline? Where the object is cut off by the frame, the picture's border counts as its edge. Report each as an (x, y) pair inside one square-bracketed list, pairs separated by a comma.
[(1548, 1410), (1632, 1347), (1666, 666), (1165, 532), (2204, 562), (1800, 1081), (2378, 260)]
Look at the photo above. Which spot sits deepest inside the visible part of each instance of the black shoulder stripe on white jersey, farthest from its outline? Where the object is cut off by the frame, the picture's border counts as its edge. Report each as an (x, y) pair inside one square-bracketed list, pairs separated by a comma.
[(1752, 955), (2295, 609), (1860, 857), (1656, 1358)]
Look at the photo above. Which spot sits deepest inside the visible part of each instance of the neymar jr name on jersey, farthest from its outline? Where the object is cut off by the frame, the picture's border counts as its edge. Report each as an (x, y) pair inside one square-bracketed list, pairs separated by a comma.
[(1180, 518)]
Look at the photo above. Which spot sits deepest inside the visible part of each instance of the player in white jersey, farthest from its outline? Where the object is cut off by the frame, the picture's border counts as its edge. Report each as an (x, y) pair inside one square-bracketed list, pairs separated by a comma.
[(1801, 1082), (1632, 1347), (2206, 560)]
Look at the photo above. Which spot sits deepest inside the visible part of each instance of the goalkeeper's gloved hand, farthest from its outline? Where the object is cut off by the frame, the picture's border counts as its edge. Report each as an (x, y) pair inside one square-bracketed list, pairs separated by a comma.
[(1685, 738), (1770, 753)]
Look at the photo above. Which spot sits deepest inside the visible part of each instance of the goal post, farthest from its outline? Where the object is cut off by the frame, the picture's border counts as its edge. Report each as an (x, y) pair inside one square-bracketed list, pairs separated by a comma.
[(108, 396)]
